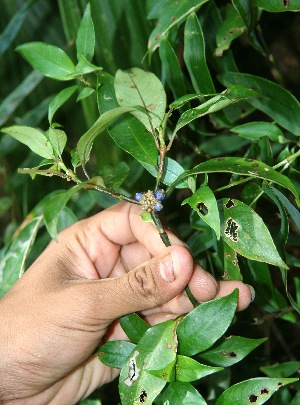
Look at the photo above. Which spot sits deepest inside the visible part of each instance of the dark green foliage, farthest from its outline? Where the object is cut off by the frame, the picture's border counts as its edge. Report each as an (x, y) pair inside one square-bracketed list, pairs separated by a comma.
[(204, 111)]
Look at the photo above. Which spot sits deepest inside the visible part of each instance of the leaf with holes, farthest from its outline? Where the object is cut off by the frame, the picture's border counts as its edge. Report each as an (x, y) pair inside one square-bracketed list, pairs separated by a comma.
[(135, 87), (278, 6), (229, 350), (156, 351), (245, 232), (243, 167), (231, 265), (255, 391), (205, 204)]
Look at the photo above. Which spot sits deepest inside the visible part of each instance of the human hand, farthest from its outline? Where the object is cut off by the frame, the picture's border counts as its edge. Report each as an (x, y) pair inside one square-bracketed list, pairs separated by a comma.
[(67, 302)]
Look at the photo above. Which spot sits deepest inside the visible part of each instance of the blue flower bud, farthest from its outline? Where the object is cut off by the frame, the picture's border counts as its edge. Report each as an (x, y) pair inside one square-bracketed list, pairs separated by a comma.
[(138, 196), (160, 194), (158, 207)]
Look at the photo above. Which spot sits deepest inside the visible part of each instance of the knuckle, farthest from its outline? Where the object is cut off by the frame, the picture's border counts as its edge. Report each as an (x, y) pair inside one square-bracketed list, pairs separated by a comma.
[(143, 283)]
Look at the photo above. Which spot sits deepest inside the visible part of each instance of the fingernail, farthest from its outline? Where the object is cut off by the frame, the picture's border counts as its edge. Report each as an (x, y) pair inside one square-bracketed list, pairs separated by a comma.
[(166, 269), (252, 292)]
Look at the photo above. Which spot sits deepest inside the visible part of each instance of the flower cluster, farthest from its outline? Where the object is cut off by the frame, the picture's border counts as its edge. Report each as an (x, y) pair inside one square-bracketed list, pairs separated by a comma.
[(151, 201)]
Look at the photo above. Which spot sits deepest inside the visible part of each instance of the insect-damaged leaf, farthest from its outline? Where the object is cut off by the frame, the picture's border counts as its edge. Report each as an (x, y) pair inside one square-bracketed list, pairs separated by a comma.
[(135, 87), (114, 353), (155, 351), (242, 166), (205, 204), (245, 232), (278, 6), (255, 391)]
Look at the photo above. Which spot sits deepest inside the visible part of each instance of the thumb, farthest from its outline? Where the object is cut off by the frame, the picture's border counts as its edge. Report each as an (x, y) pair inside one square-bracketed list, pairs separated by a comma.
[(151, 284)]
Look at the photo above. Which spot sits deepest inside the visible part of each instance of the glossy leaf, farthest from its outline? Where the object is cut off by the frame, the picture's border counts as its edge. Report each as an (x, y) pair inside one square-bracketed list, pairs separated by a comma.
[(12, 264), (172, 68), (232, 27), (58, 140), (84, 93), (202, 327), (114, 353), (257, 129), (282, 369), (84, 67), (155, 351), (188, 369), (226, 98), (133, 326), (276, 102), (135, 87), (195, 58), (244, 230), (278, 6), (180, 393), (85, 41), (170, 15), (55, 205), (61, 98), (172, 171), (86, 141), (256, 391), (205, 204), (48, 59), (244, 167), (229, 350), (128, 132), (33, 138)]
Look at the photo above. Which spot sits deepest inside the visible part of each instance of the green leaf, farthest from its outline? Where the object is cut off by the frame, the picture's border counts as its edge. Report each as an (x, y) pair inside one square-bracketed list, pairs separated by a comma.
[(84, 93), (114, 176), (276, 102), (170, 15), (242, 166), (256, 391), (258, 129), (48, 59), (244, 230), (155, 351), (85, 41), (172, 170), (194, 56), (188, 369), (180, 393), (12, 265), (232, 27), (114, 353), (222, 100), (293, 212), (205, 204), (16, 97), (278, 6), (84, 67), (202, 327), (230, 350), (282, 369), (128, 132), (173, 72), (133, 326), (55, 205), (135, 87), (59, 100), (85, 143), (33, 138), (231, 265), (58, 140)]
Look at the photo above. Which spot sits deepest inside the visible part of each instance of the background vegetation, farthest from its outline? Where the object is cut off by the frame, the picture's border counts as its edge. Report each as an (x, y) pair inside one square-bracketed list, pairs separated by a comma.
[(239, 37)]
